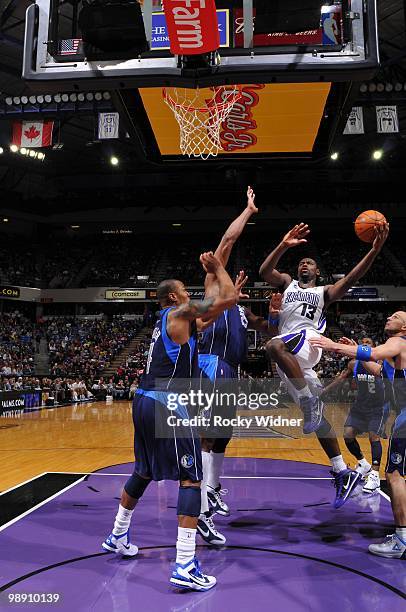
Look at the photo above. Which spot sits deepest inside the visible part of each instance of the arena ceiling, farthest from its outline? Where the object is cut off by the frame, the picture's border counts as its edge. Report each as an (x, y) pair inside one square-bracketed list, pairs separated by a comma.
[(79, 175)]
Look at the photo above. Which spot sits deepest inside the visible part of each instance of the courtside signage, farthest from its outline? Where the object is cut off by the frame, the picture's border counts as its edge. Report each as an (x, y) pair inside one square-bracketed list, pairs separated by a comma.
[(192, 26), (9, 292), (124, 294)]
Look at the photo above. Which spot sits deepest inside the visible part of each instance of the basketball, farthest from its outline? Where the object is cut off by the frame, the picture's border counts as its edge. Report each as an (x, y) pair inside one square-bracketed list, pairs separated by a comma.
[(366, 223)]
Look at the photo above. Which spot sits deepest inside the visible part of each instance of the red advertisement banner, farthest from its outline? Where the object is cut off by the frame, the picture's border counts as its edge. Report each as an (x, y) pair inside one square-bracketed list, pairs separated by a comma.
[(192, 26)]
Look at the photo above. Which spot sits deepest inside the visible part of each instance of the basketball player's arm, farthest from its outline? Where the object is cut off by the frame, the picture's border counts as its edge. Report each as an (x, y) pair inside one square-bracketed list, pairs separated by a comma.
[(228, 240), (208, 309), (266, 326), (373, 367), (268, 271), (340, 379), (235, 229), (370, 366), (260, 324), (389, 350), (335, 292)]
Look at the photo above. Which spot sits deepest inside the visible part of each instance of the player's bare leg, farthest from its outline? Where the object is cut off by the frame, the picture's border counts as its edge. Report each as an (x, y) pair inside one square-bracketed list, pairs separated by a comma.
[(186, 573), (311, 405), (119, 539), (397, 487), (394, 547), (345, 479), (351, 442)]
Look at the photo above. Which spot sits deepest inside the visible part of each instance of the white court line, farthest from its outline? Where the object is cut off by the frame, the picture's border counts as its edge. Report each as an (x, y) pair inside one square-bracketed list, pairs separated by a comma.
[(45, 501), (20, 484), (90, 473), (384, 495)]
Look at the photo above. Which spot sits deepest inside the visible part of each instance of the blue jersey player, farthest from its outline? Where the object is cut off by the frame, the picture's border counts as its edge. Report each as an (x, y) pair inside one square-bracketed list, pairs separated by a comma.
[(393, 352), (368, 413), (222, 349), (163, 450)]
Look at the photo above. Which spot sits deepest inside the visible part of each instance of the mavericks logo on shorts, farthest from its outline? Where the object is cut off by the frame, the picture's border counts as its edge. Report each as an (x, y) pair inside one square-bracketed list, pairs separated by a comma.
[(187, 461), (396, 458)]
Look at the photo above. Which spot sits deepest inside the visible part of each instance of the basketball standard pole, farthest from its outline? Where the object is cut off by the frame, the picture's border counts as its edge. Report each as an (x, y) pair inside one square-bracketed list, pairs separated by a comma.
[(147, 16), (248, 19)]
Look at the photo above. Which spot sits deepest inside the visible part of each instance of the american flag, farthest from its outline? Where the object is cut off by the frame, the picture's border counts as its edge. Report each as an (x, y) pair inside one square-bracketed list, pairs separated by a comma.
[(69, 46)]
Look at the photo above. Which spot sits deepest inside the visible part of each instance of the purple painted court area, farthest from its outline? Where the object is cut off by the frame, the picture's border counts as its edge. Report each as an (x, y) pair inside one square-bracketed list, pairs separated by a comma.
[(288, 549)]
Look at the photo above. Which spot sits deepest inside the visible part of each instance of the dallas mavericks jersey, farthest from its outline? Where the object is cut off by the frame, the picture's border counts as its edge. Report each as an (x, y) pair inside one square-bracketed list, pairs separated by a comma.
[(399, 387), (168, 361), (370, 388), (227, 337), (302, 309)]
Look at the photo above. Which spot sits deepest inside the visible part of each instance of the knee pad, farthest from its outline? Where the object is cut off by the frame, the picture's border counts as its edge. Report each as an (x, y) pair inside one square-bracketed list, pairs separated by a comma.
[(220, 445), (189, 501), (135, 486), (324, 429)]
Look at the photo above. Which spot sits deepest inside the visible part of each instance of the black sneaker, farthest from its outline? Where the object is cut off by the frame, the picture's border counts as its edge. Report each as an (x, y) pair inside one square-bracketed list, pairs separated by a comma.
[(216, 503), (208, 531)]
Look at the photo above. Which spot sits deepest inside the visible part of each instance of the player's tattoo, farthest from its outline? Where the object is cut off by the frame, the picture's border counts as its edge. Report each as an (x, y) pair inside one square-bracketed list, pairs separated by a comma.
[(195, 307)]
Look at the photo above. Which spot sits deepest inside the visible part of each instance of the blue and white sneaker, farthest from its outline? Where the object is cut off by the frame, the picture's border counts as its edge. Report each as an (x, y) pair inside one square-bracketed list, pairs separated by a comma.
[(189, 576), (345, 483), (120, 545), (217, 503), (393, 547), (312, 408), (207, 530)]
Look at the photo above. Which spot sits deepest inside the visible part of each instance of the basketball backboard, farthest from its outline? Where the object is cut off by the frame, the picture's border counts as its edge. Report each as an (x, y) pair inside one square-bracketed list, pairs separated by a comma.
[(260, 42)]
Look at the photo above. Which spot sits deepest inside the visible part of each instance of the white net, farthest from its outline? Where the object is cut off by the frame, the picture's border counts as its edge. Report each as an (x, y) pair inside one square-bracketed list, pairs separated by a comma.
[(200, 114)]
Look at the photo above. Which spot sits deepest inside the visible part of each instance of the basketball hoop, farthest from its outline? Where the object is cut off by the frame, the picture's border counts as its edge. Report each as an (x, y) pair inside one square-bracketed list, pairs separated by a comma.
[(200, 114)]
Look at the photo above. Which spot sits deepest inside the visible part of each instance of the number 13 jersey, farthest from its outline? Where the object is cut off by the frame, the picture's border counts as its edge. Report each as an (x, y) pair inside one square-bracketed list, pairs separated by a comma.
[(302, 309)]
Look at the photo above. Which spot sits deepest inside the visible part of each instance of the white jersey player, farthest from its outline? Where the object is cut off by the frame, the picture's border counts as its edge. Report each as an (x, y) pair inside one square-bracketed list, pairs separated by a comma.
[(301, 318)]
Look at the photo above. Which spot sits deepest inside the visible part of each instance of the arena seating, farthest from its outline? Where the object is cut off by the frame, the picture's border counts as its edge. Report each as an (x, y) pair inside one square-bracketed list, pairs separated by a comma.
[(18, 262), (119, 260), (85, 348), (16, 346)]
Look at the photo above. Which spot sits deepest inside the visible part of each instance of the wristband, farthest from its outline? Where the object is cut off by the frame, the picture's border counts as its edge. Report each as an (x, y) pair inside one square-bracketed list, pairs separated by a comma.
[(272, 321), (364, 352)]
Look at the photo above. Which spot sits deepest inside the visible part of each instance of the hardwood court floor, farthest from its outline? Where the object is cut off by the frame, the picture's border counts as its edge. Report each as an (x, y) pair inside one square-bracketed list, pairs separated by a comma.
[(87, 437)]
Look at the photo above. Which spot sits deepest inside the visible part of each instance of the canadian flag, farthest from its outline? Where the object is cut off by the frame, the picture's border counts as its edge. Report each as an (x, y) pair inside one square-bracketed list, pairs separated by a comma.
[(32, 134)]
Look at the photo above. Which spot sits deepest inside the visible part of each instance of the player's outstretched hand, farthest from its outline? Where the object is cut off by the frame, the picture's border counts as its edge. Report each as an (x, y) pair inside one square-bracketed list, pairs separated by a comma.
[(275, 305), (209, 262), (347, 341), (240, 282), (322, 342), (297, 235), (251, 200), (382, 232)]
